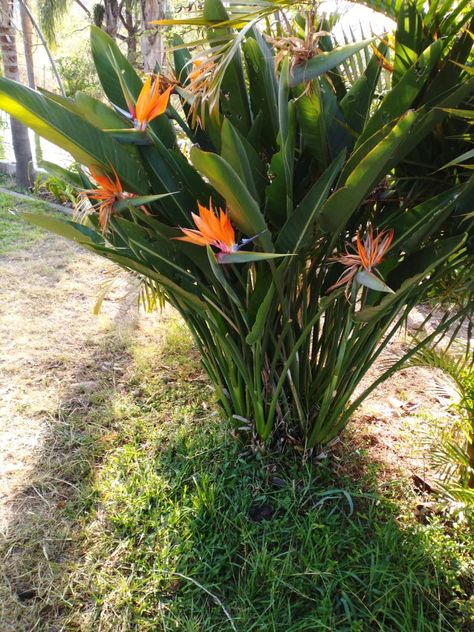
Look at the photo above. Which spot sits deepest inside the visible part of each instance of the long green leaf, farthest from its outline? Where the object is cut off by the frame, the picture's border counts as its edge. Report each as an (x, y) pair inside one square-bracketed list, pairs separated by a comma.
[(242, 157), (415, 224), (297, 231), (258, 327), (141, 200), (402, 96), (83, 141), (99, 114), (263, 88), (358, 100), (65, 228), (408, 39), (340, 206), (246, 257), (243, 208)]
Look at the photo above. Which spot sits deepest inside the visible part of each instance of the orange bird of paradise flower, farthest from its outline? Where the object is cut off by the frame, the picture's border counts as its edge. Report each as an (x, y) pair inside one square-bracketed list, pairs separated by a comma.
[(151, 102), (368, 253), (108, 192), (200, 67), (213, 228)]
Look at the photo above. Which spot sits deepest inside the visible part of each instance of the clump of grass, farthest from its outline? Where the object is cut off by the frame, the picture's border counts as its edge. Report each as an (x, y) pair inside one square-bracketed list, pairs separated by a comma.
[(188, 531), (14, 231)]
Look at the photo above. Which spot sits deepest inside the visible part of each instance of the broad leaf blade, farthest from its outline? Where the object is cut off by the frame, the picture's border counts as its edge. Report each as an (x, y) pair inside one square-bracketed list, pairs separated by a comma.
[(246, 257), (64, 128), (340, 206)]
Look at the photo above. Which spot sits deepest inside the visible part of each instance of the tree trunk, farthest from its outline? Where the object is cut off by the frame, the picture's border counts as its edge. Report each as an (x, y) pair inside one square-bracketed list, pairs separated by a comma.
[(20, 138), (27, 30), (151, 39), (111, 16), (127, 17)]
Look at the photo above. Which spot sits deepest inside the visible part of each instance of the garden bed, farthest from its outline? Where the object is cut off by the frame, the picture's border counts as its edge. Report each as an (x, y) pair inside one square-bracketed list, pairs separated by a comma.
[(127, 506)]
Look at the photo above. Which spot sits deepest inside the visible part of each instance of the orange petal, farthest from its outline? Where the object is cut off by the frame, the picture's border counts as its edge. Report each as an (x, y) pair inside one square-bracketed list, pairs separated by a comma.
[(106, 182), (227, 230), (118, 184), (207, 223), (361, 251), (161, 104), (194, 237), (142, 106)]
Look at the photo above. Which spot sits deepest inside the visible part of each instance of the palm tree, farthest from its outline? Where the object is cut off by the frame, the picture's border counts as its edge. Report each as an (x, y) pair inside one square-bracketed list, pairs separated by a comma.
[(20, 138)]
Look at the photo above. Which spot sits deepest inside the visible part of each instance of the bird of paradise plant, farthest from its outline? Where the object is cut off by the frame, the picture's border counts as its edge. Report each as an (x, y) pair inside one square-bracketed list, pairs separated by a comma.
[(106, 194), (251, 216), (151, 102), (367, 255)]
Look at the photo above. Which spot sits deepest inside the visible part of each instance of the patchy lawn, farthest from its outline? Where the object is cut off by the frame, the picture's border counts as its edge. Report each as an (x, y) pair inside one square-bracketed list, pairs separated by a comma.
[(126, 504), (14, 232)]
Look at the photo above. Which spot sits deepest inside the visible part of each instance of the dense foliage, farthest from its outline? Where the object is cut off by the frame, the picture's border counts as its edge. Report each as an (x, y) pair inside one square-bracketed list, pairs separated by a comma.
[(328, 207)]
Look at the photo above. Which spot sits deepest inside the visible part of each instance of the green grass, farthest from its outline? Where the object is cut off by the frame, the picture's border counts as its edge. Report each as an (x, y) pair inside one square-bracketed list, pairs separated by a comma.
[(15, 233), (186, 529)]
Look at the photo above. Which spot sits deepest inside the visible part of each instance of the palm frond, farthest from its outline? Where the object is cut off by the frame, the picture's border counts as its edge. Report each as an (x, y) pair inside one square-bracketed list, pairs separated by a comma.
[(51, 13)]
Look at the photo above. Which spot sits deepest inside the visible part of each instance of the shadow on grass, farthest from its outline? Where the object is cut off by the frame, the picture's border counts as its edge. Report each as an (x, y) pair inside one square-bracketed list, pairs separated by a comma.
[(39, 547), (178, 527)]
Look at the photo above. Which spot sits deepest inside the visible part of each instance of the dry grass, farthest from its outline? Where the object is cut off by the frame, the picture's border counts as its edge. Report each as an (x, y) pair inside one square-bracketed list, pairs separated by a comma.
[(58, 361)]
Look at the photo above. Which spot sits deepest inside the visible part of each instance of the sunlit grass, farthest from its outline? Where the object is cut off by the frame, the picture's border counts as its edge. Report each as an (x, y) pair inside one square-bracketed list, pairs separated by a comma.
[(14, 231), (191, 531)]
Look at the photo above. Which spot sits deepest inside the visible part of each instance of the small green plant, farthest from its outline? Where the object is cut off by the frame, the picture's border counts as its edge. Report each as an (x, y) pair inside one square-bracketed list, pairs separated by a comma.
[(453, 452), (57, 187)]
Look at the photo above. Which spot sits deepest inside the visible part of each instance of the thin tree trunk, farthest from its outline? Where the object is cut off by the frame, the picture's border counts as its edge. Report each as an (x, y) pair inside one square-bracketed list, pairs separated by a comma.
[(27, 30), (24, 5), (20, 138), (127, 18), (151, 40), (111, 16)]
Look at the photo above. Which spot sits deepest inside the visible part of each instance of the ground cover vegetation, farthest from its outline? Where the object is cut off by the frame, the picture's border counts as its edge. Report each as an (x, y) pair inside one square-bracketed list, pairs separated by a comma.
[(313, 240), (195, 533), (145, 512), (12, 226)]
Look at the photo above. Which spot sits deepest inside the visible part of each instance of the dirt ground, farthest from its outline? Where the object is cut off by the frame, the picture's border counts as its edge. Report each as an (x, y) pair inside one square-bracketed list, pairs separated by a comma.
[(48, 332), (53, 351), (54, 355)]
